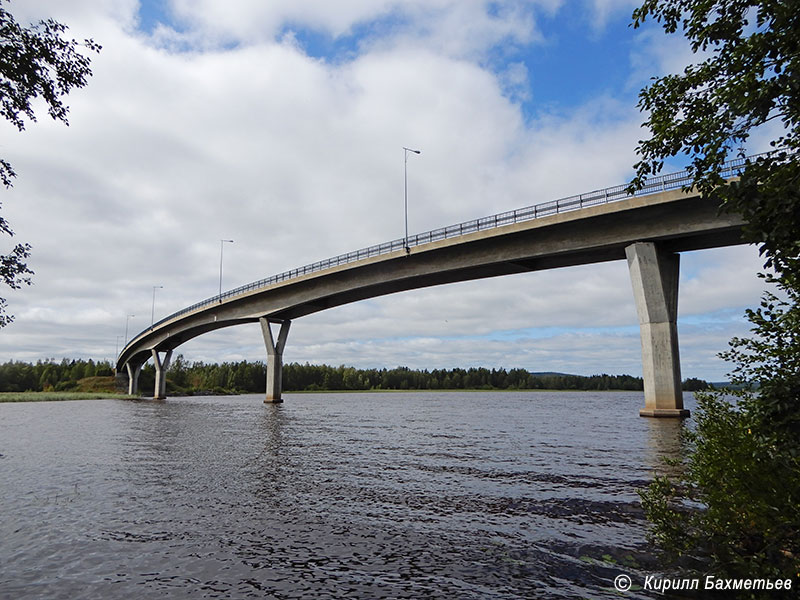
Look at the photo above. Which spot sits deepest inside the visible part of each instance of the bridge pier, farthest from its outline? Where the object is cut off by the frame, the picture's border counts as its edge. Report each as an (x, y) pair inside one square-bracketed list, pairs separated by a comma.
[(654, 276), (274, 358), (160, 389), (133, 377)]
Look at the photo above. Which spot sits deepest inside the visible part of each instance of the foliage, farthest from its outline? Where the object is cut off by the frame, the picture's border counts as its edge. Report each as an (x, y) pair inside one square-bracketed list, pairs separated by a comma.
[(734, 508), (250, 377), (693, 384), (747, 78), (13, 271), (49, 375), (36, 62), (749, 522), (771, 358)]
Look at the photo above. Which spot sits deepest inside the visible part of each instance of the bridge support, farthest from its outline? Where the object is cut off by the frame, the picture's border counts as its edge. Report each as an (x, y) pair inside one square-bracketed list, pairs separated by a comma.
[(133, 377), (160, 389), (654, 276), (274, 358)]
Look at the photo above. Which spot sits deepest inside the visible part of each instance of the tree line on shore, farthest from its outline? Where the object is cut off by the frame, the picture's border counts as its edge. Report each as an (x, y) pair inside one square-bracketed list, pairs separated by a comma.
[(184, 377), (49, 375)]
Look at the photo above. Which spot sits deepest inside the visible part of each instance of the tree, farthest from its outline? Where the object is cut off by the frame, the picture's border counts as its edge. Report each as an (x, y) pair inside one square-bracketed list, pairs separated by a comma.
[(35, 62), (742, 461), (748, 78)]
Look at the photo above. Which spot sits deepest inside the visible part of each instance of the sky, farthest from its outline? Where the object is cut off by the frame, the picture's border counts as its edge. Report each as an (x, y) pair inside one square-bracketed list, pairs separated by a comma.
[(281, 125)]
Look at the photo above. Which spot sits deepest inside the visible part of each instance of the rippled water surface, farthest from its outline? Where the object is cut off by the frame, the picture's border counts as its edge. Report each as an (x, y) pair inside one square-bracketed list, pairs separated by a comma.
[(392, 495)]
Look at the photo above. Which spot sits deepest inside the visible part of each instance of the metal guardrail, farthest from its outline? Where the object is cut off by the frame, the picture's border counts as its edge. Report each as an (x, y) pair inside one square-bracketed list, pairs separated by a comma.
[(661, 183)]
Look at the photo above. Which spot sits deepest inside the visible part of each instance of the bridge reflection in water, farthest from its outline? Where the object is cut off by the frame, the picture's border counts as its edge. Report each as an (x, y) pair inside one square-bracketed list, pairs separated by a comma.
[(648, 229)]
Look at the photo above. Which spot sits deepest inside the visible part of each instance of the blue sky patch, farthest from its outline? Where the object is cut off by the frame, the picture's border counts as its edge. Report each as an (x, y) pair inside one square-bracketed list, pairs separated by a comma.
[(152, 13), (576, 64)]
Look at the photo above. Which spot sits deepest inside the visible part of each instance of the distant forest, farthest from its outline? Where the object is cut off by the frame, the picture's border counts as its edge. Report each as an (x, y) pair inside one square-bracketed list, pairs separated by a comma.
[(184, 378)]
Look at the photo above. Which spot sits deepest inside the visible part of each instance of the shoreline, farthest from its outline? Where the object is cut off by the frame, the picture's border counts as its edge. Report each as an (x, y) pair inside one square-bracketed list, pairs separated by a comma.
[(59, 396), (12, 397)]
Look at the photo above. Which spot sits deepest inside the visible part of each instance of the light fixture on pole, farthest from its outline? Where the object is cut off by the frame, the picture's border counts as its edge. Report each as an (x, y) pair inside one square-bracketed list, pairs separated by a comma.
[(153, 308), (405, 190), (221, 245), (127, 320)]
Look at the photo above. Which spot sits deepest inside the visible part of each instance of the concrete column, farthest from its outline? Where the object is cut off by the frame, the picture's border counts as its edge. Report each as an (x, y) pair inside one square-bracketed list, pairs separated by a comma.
[(133, 378), (274, 357), (160, 389), (654, 276)]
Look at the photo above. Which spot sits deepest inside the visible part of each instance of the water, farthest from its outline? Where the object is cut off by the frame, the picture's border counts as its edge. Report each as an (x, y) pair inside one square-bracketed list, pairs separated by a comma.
[(393, 495)]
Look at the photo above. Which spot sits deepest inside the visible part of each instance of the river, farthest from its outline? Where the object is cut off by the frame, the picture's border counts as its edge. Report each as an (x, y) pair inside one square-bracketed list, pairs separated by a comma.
[(368, 495)]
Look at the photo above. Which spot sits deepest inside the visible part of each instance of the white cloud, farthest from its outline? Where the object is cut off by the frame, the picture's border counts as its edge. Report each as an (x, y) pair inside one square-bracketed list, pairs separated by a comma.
[(602, 10), (709, 282), (452, 27), (657, 54)]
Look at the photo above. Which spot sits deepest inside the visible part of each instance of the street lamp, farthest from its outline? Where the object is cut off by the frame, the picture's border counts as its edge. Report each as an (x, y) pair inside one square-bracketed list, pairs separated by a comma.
[(221, 245), (153, 308), (127, 320), (116, 347), (405, 189)]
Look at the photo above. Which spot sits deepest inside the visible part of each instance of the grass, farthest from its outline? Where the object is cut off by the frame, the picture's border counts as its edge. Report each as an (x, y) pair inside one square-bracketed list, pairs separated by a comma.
[(57, 396)]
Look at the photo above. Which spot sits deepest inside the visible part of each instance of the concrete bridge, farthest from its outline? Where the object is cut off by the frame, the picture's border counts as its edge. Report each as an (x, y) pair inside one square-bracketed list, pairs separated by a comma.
[(649, 229)]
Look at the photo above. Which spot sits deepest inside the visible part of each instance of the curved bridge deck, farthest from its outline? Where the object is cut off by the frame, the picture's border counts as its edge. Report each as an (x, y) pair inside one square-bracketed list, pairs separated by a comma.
[(595, 227)]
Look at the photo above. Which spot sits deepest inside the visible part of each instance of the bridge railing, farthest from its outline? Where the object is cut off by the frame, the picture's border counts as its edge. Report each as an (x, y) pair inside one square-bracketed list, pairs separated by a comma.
[(662, 183)]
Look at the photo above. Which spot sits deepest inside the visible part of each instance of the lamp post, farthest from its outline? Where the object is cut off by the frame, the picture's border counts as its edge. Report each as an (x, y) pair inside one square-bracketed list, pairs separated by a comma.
[(116, 347), (127, 320), (405, 190), (153, 307), (221, 246)]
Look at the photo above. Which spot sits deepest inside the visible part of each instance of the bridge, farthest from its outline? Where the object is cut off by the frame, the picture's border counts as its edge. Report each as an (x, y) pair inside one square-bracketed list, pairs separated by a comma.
[(649, 229)]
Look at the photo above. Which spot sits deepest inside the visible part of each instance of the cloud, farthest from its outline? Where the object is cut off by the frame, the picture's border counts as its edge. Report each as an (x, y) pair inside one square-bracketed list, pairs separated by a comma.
[(709, 284), (603, 10), (656, 54), (455, 28)]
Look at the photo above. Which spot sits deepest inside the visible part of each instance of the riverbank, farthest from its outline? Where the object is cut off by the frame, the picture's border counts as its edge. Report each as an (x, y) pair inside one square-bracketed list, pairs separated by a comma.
[(65, 396), (57, 396)]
